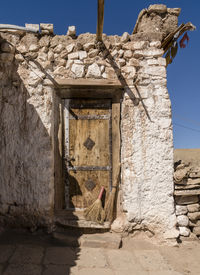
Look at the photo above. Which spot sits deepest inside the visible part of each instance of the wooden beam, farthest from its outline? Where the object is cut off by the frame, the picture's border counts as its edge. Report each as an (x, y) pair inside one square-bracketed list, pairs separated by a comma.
[(81, 83), (100, 19)]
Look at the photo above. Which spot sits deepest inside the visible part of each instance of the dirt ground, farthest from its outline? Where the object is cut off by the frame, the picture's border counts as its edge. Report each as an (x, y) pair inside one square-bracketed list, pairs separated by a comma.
[(22, 253)]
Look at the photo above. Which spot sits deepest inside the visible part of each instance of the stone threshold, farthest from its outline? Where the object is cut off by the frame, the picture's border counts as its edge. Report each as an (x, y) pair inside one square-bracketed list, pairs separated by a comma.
[(75, 218)]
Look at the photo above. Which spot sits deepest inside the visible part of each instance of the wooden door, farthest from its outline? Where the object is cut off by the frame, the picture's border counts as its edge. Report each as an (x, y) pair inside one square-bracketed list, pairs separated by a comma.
[(88, 149)]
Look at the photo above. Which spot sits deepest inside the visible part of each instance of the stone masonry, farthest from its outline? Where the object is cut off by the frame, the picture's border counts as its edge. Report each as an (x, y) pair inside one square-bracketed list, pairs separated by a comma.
[(187, 195), (29, 66)]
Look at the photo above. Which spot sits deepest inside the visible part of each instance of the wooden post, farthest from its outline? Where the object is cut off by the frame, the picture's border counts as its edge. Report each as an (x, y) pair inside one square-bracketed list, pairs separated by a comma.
[(100, 19)]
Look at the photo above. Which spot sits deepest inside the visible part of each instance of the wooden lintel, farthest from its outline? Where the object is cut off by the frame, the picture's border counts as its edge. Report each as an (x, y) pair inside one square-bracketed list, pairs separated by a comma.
[(100, 19), (67, 83)]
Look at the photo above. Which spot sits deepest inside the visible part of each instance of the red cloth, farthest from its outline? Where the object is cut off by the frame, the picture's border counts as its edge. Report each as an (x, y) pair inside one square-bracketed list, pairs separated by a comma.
[(183, 39)]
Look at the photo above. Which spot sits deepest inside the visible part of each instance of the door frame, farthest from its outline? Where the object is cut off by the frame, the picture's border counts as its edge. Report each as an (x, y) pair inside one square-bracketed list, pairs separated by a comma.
[(74, 89)]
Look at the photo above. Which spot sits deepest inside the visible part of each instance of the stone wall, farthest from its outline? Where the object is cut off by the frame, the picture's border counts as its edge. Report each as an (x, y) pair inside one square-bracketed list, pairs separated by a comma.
[(30, 63), (187, 193)]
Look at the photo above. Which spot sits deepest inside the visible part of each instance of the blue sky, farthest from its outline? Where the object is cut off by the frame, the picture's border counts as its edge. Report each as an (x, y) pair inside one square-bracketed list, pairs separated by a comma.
[(120, 16)]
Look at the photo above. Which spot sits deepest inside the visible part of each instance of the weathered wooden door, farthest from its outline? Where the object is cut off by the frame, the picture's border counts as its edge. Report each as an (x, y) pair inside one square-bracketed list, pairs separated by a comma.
[(88, 160)]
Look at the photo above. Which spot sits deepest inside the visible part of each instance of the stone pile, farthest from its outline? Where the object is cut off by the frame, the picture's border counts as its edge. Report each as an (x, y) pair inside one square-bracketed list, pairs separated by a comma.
[(187, 198)]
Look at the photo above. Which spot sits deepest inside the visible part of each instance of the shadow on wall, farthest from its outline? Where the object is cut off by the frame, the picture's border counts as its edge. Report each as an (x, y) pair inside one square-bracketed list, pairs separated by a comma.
[(26, 174)]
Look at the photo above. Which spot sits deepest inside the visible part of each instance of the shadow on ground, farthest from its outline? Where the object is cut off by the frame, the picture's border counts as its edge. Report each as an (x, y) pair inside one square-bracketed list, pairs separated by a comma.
[(24, 253)]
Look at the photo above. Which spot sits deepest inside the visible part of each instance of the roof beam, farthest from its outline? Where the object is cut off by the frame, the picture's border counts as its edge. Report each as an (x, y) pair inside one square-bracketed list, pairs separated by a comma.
[(100, 19)]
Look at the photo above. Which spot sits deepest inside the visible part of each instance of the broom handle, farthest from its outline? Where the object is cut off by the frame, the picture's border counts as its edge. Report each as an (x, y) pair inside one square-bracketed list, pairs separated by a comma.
[(101, 193)]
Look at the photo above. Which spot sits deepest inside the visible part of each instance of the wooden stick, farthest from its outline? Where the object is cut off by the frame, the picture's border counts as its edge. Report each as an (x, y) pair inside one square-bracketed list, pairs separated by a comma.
[(100, 20)]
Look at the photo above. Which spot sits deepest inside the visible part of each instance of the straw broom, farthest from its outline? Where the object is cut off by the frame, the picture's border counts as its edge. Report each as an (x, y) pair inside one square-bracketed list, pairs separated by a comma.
[(110, 205), (95, 212)]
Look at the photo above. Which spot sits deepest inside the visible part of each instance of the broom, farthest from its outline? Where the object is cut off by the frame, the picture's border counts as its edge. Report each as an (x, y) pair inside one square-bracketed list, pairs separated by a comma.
[(110, 205), (95, 212)]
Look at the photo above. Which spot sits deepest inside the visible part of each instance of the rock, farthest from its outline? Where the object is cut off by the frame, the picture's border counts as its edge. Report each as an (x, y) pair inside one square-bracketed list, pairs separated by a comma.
[(158, 8), (93, 53), (35, 27), (121, 53), (71, 31), (194, 216), (119, 224), (104, 75), (114, 53), (172, 234), (82, 55), (118, 46), (193, 207), (64, 54), (193, 181), (181, 210), (34, 47), (194, 174), (154, 70), (69, 63), (133, 62), (182, 220), (70, 48), (42, 56), (102, 68), (125, 37), (121, 62), (78, 70), (183, 200), (148, 53), (196, 230), (6, 57), (93, 71), (128, 54), (59, 48), (46, 28), (62, 62), (34, 79), (44, 41), (174, 11), (155, 44), (88, 46), (128, 46), (131, 71), (50, 56), (139, 45), (194, 224), (7, 48), (22, 48), (79, 46), (184, 231), (73, 55), (157, 62), (19, 57)]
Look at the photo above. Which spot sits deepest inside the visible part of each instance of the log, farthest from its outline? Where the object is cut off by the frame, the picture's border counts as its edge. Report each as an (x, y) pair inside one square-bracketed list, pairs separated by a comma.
[(100, 20), (19, 28)]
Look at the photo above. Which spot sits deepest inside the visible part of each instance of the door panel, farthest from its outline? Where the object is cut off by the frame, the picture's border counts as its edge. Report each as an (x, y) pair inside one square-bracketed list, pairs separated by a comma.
[(87, 150), (89, 142), (84, 187)]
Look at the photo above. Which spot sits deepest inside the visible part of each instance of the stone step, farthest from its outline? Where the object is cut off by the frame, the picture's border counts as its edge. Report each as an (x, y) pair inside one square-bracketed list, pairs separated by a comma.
[(97, 240)]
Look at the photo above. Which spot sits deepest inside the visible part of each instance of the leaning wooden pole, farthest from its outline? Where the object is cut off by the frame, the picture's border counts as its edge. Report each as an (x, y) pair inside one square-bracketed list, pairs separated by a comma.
[(100, 19)]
